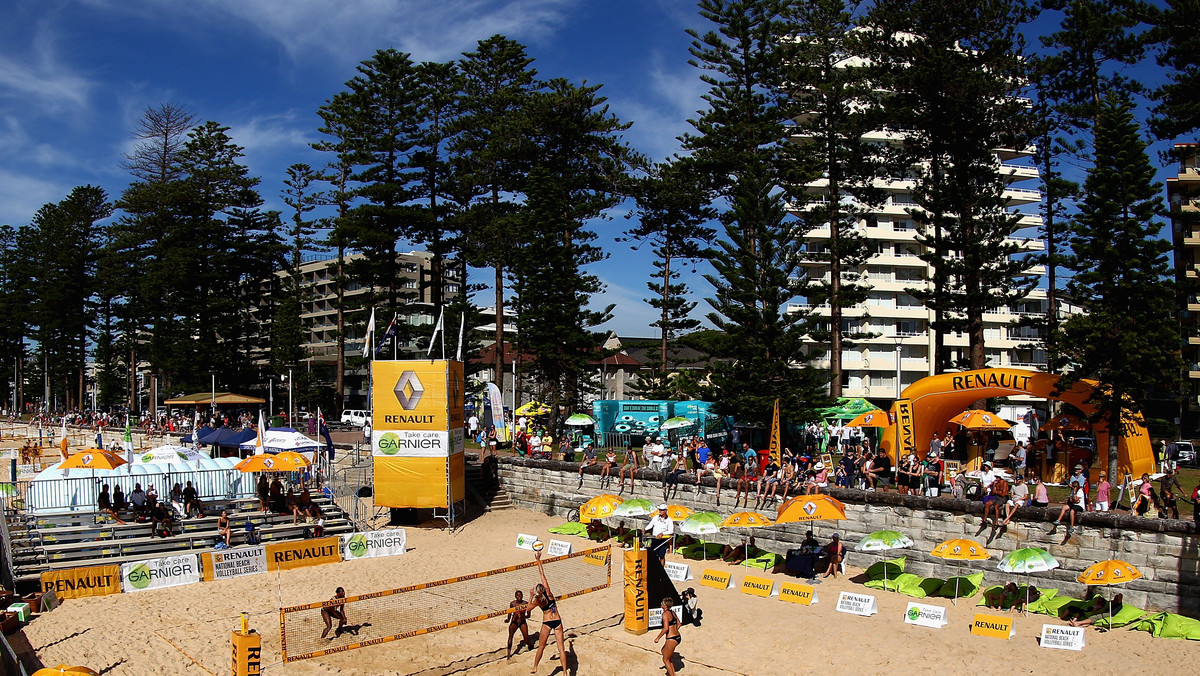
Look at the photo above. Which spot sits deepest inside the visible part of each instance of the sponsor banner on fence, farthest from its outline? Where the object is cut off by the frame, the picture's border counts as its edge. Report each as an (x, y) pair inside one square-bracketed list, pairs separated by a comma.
[(234, 562), (716, 579), (993, 625), (656, 616), (758, 586), (171, 571), (857, 604), (924, 615), (678, 572), (288, 555), (370, 544), (805, 595), (76, 583), (558, 548), (1062, 637), (28, 472)]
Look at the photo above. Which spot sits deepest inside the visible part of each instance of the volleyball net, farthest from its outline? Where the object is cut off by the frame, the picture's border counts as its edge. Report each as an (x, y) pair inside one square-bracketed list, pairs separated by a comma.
[(423, 608)]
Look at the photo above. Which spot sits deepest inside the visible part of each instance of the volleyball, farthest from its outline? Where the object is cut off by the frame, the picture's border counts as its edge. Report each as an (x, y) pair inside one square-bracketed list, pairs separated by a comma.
[(537, 546)]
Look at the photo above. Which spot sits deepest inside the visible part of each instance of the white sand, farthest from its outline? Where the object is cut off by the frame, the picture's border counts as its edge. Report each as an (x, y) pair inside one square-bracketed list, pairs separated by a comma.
[(129, 633)]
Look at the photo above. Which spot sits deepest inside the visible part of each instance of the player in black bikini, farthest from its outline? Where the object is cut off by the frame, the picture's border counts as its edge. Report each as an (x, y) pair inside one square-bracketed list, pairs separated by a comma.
[(551, 620), (670, 628), (517, 620)]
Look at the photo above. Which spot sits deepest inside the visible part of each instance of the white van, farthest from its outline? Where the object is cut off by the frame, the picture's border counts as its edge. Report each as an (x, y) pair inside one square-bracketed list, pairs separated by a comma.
[(355, 417)]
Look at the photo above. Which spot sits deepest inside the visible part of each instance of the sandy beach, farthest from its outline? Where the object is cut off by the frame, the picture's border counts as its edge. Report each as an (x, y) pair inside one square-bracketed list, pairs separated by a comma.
[(186, 630)]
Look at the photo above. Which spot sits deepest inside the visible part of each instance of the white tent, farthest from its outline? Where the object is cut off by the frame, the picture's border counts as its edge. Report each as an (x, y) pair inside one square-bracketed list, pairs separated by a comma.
[(277, 441)]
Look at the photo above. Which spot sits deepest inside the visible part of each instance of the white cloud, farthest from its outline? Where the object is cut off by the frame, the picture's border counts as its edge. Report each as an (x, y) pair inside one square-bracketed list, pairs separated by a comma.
[(271, 134), (660, 117), (429, 29), (21, 195), (37, 79)]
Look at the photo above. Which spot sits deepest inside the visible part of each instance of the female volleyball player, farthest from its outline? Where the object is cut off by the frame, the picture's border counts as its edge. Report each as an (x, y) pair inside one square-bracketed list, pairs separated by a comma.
[(517, 620), (330, 612), (551, 619), (670, 628)]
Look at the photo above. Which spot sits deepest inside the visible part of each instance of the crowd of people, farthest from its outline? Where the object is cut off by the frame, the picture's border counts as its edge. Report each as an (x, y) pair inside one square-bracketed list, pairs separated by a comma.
[(183, 501)]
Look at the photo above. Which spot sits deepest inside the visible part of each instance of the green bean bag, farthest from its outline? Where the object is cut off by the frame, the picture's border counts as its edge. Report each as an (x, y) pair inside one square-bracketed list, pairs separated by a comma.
[(892, 583), (699, 551), (766, 562), (1022, 591), (962, 587), (907, 584), (894, 568), (1039, 605), (1170, 625), (571, 528), (1126, 616), (1054, 606)]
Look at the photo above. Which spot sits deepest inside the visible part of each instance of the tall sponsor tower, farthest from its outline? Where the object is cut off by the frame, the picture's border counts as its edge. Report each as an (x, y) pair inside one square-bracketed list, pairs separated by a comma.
[(417, 434)]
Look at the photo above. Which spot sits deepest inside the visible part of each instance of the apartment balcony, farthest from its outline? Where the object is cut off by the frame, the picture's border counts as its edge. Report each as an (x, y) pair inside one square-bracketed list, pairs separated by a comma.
[(1019, 172), (1020, 196)]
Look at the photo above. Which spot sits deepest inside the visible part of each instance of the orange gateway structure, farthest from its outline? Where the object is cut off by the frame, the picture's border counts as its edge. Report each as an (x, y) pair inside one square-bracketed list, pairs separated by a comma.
[(926, 406)]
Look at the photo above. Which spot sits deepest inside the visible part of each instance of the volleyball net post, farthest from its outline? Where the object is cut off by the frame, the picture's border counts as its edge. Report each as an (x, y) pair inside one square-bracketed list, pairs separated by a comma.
[(404, 612)]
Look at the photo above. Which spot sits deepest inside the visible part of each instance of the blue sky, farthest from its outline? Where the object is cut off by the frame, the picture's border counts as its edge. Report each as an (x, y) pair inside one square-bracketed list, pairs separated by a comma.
[(76, 75)]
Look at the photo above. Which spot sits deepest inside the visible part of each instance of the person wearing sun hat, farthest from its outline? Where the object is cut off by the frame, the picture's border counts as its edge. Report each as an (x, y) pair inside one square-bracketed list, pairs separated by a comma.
[(661, 529), (819, 480)]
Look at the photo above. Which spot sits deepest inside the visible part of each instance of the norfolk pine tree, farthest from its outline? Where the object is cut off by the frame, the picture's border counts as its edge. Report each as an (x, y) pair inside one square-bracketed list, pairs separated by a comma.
[(580, 169), (492, 158), (671, 214), (954, 70), (832, 84), (740, 148), (1126, 337)]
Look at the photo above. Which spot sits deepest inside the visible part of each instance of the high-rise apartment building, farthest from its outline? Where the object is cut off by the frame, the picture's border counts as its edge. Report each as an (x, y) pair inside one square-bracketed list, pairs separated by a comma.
[(1183, 195), (318, 315), (899, 323)]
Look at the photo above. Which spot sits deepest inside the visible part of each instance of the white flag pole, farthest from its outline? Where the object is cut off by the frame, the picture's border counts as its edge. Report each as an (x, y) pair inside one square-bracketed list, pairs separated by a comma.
[(461, 323)]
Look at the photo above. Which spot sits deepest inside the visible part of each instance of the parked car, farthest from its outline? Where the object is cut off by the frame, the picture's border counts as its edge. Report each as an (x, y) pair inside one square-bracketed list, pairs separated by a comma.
[(1186, 453), (355, 417)]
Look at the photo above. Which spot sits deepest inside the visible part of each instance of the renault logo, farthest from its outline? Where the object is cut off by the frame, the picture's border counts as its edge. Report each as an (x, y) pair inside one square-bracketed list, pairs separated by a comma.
[(409, 390)]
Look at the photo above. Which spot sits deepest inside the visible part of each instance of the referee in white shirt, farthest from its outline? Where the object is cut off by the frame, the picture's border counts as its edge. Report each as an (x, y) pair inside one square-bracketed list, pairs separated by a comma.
[(661, 528)]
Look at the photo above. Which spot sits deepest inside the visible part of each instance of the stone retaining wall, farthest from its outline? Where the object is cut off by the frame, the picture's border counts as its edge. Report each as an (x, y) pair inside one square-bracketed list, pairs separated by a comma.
[(1166, 551)]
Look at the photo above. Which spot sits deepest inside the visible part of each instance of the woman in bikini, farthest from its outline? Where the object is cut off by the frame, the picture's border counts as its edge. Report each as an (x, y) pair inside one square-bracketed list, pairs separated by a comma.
[(518, 619), (332, 612), (670, 628), (551, 620)]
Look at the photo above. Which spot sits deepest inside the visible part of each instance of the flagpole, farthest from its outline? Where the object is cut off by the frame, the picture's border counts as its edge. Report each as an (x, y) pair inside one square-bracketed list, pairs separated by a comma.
[(461, 323)]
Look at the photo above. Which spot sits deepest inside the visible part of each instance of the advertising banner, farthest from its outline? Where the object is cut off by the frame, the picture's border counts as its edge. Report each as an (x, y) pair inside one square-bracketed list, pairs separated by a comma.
[(637, 603), (905, 428), (417, 395), (993, 625), (803, 594), (758, 586), (716, 579), (411, 443), (76, 583), (171, 571), (235, 562), (496, 403), (857, 604), (289, 555), (678, 572), (373, 543), (924, 615), (1062, 637)]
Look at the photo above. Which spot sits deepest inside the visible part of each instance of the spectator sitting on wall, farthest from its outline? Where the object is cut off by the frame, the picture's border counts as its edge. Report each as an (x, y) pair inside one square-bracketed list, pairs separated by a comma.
[(105, 506)]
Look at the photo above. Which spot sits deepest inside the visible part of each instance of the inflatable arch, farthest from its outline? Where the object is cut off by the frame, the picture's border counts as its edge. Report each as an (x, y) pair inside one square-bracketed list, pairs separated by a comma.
[(926, 406)]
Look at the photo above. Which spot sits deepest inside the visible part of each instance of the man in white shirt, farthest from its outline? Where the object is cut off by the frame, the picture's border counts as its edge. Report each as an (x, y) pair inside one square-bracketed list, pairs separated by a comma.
[(661, 528), (657, 454), (473, 425)]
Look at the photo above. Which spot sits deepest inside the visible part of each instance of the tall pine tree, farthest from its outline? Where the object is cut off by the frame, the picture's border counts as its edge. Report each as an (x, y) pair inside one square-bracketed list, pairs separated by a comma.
[(740, 148), (1126, 337)]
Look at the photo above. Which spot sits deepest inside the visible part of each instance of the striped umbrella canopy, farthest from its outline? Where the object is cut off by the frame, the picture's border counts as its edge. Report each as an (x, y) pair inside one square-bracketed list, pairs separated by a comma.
[(1027, 560), (599, 507)]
